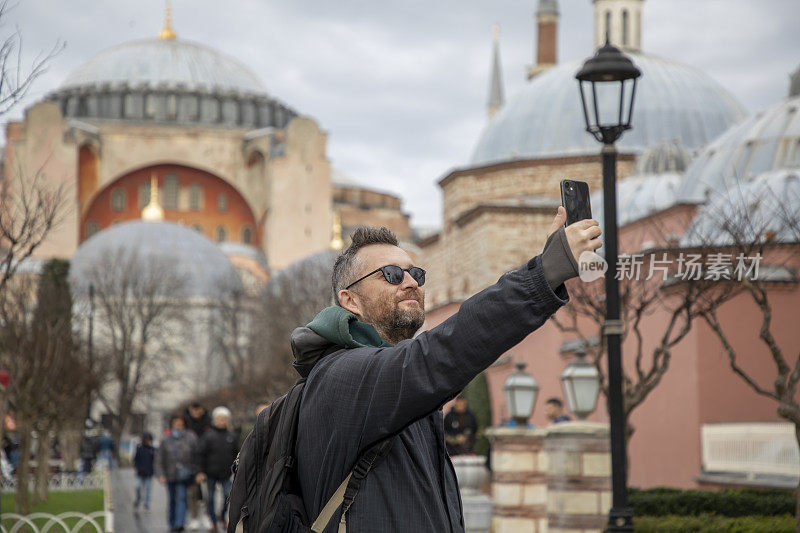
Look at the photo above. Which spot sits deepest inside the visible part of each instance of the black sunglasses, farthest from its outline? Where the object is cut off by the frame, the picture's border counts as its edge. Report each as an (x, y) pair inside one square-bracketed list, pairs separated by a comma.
[(394, 275)]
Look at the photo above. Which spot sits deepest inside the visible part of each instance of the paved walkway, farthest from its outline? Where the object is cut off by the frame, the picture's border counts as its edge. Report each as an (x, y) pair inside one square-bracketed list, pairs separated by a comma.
[(154, 520), (126, 520)]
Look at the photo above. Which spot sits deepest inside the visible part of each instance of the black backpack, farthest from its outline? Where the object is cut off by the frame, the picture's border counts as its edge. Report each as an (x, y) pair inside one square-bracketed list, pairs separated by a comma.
[(265, 496)]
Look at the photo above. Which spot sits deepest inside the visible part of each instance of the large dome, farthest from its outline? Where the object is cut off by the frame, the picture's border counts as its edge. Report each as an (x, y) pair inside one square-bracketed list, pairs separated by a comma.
[(208, 272), (159, 63), (172, 82), (673, 101)]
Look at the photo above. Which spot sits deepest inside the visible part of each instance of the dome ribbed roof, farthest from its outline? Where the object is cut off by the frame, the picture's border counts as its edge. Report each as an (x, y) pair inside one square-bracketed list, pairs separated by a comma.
[(208, 272), (763, 209), (673, 101), (765, 141), (161, 63)]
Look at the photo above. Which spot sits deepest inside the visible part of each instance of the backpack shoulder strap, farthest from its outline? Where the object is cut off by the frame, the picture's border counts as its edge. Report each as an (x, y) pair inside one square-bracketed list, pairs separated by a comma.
[(346, 493)]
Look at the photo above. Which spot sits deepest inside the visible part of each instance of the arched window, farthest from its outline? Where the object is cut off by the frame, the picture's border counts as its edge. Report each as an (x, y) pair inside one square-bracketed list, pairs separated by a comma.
[(195, 197), (222, 202), (607, 33), (118, 200), (247, 235), (222, 234), (171, 191), (92, 227), (624, 27)]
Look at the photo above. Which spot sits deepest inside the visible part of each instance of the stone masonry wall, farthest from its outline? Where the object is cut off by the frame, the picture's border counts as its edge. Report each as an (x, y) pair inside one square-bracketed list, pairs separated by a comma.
[(553, 480)]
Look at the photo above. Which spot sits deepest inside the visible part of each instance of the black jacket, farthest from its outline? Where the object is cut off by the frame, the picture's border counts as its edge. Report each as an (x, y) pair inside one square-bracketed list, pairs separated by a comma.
[(356, 397), (216, 452), (456, 424), (198, 425), (143, 460)]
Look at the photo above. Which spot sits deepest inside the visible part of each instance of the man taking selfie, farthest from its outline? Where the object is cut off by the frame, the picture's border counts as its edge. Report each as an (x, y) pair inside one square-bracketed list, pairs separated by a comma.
[(370, 380)]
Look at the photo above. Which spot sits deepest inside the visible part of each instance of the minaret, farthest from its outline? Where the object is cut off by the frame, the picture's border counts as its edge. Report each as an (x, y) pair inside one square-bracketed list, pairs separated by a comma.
[(546, 37), (496, 99), (794, 83), (153, 211), (167, 34), (621, 20)]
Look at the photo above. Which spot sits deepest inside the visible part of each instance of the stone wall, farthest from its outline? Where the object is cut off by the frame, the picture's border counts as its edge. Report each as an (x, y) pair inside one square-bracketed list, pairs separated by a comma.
[(554, 480), (497, 217)]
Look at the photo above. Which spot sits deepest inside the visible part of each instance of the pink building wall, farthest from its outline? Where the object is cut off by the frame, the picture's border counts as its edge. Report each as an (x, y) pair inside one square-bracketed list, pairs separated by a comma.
[(699, 387)]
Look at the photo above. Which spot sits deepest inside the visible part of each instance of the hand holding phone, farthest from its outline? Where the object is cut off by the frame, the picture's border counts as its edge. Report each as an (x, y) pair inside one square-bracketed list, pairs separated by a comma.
[(575, 199)]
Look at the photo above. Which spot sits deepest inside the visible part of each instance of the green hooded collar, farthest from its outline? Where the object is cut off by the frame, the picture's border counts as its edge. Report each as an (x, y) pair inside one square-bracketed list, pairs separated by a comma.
[(341, 327)]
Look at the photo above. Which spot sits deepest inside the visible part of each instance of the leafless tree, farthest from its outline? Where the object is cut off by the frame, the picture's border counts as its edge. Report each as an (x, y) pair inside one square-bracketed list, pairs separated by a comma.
[(648, 284), (761, 220), (290, 300), (50, 384), (15, 79), (141, 316)]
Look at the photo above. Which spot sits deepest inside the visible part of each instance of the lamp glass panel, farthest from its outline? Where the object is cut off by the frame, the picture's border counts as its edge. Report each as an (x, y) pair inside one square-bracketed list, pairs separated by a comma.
[(585, 390), (523, 401), (607, 102)]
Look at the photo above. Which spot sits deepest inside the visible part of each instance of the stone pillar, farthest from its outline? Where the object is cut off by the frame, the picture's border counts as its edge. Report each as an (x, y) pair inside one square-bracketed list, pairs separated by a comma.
[(578, 477), (519, 480)]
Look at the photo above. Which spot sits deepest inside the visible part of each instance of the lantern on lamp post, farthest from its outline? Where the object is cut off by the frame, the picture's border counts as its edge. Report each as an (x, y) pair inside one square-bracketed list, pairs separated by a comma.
[(521, 391), (581, 384)]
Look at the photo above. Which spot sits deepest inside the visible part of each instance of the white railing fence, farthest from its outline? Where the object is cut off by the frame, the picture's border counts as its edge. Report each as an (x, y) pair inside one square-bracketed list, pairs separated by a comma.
[(758, 448), (68, 522), (62, 481)]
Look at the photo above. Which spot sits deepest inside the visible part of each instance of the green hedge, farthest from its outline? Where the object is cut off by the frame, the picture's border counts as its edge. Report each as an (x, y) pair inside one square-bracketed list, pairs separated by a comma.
[(726, 503), (708, 523)]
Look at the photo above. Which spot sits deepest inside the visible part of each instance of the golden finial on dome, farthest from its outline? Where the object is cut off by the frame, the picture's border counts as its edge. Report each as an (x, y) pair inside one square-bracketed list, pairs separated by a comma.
[(153, 211), (337, 243), (167, 34)]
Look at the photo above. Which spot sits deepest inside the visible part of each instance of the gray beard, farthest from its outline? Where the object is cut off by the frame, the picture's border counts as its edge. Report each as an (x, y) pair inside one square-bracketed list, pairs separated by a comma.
[(399, 325), (403, 325)]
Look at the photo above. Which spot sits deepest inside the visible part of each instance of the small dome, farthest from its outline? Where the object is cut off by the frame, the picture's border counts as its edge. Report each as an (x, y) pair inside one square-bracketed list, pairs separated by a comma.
[(208, 271), (666, 156), (230, 248), (764, 209), (673, 101), (639, 196), (766, 141), (157, 63)]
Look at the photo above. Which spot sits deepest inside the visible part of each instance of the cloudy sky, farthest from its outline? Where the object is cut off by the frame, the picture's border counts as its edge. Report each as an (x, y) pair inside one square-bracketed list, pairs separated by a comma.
[(401, 87)]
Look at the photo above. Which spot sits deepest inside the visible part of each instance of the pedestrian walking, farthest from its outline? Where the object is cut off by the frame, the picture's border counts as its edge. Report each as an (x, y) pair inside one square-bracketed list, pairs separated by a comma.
[(198, 421), (143, 462), (176, 468), (216, 452), (105, 450)]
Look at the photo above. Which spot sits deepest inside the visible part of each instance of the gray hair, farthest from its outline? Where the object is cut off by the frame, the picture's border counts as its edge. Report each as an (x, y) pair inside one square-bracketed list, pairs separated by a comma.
[(345, 267)]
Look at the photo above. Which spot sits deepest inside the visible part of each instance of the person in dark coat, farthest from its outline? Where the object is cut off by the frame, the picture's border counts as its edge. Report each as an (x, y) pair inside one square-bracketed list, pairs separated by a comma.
[(370, 378), (143, 463), (176, 467), (197, 421), (460, 428), (215, 455)]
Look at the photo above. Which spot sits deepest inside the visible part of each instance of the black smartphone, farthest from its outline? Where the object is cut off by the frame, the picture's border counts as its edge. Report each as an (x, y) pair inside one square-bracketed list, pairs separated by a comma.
[(575, 199)]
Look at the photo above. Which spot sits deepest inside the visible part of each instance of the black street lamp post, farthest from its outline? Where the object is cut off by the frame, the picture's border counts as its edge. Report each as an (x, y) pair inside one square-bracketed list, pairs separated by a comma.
[(607, 72)]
